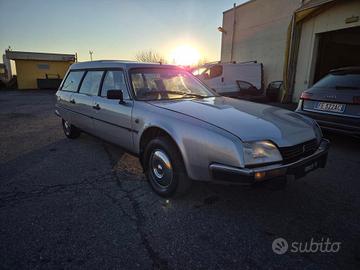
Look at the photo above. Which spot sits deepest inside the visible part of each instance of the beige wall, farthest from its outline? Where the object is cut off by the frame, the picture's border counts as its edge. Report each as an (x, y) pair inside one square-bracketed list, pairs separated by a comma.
[(28, 71), (260, 34), (329, 20)]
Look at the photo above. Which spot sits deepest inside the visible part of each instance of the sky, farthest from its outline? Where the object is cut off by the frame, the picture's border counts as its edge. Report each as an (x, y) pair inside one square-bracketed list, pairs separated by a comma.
[(113, 29)]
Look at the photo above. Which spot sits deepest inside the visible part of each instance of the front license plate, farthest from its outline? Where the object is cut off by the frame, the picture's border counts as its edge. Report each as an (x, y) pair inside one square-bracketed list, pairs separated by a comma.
[(330, 107), (311, 167)]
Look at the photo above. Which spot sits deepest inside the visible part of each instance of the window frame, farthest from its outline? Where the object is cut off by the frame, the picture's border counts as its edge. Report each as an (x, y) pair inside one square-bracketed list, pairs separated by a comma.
[(105, 69), (214, 66), (67, 75), (125, 80), (100, 84), (131, 70)]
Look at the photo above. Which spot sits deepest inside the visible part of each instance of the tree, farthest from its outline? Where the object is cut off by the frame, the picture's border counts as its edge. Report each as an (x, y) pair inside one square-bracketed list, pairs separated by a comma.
[(149, 56)]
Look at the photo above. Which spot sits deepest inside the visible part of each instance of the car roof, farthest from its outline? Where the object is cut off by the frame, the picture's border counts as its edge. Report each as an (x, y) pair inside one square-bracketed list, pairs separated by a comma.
[(115, 64), (354, 69)]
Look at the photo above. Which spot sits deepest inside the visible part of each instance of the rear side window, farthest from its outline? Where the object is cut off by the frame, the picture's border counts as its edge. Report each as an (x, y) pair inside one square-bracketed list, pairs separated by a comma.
[(91, 83), (72, 81), (114, 80), (340, 81)]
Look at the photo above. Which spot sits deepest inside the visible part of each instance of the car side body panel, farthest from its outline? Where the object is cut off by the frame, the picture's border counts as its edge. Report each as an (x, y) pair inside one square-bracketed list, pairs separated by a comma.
[(199, 143)]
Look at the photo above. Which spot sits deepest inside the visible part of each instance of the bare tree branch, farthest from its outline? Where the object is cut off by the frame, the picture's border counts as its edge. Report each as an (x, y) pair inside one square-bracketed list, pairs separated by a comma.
[(149, 56)]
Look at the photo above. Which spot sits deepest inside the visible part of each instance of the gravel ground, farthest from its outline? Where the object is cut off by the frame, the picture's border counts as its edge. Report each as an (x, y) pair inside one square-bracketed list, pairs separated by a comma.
[(85, 204)]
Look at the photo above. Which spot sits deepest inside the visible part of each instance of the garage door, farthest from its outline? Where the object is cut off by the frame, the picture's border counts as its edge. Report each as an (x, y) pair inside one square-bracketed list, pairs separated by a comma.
[(337, 49)]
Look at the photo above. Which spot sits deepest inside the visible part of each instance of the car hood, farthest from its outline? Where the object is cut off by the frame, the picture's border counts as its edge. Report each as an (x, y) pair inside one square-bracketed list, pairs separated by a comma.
[(247, 120)]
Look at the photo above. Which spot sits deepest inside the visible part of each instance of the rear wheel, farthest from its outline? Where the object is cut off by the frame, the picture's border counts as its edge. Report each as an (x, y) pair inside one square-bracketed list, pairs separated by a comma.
[(164, 168), (70, 131)]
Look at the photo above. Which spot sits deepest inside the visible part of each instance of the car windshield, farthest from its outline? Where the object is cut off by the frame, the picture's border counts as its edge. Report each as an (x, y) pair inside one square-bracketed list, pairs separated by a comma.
[(340, 81), (167, 83)]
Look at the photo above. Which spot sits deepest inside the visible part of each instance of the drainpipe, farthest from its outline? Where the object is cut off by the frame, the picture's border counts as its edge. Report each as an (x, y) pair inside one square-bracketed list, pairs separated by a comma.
[(233, 35)]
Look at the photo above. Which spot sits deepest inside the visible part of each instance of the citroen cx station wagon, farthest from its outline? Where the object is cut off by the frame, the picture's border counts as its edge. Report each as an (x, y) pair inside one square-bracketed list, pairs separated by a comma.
[(183, 131)]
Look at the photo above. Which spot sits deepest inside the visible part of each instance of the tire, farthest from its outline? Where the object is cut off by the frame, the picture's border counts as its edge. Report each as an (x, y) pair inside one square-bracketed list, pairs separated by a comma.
[(164, 168), (70, 131)]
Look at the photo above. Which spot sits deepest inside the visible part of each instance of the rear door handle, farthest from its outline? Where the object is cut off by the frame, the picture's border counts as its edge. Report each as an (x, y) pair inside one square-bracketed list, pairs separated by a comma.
[(96, 107), (72, 101)]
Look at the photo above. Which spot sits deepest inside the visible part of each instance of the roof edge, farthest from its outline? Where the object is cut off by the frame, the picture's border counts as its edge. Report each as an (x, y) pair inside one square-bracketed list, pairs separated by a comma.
[(238, 6)]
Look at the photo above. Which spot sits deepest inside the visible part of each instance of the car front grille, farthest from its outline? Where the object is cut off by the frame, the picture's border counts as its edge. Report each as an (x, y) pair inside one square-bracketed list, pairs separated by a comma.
[(296, 152)]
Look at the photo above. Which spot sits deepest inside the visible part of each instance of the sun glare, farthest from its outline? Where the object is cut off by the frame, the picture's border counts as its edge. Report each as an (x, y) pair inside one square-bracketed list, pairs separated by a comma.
[(185, 55)]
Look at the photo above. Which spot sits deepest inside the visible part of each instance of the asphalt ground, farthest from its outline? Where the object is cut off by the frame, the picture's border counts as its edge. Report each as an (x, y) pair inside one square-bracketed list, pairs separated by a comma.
[(85, 204)]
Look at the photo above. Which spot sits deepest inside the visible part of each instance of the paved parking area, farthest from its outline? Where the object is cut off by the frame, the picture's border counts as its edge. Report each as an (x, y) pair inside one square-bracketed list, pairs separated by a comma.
[(85, 204)]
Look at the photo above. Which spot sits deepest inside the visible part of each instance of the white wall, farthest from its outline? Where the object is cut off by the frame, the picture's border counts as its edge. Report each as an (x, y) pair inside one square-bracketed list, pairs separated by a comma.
[(329, 20), (260, 34)]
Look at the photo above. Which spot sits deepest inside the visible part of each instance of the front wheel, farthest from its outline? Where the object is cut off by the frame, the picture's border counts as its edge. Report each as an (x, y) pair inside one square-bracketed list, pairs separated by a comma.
[(164, 168), (70, 131)]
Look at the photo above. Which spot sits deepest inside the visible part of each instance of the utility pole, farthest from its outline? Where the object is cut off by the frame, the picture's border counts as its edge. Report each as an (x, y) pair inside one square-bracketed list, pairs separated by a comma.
[(91, 54), (233, 35)]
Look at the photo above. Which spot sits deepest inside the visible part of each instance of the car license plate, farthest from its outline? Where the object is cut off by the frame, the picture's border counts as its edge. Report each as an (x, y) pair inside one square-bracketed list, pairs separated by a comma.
[(330, 107), (311, 167)]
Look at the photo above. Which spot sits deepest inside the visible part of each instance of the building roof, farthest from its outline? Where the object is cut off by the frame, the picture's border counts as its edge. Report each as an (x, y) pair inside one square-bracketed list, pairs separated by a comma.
[(18, 55), (125, 64), (312, 4)]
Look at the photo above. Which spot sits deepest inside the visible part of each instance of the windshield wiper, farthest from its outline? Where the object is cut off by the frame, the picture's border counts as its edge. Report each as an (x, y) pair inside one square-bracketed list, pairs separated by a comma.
[(181, 93), (184, 94), (194, 95)]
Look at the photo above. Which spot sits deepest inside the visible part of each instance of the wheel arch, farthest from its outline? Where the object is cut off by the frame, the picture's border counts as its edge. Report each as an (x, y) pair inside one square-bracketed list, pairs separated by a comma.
[(151, 133)]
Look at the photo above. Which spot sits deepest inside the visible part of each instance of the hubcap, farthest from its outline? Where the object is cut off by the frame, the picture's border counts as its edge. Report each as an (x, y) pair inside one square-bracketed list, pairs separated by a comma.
[(161, 168)]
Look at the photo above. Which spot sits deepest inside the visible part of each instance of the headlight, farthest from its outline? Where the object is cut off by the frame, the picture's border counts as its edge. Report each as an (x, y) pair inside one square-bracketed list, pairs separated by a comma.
[(260, 152)]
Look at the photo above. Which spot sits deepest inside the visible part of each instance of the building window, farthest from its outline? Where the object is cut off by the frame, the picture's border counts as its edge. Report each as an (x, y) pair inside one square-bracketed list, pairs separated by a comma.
[(43, 66)]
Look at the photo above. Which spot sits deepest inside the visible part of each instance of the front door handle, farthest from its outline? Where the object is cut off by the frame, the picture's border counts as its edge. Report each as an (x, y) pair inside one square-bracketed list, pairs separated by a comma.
[(96, 107), (72, 101)]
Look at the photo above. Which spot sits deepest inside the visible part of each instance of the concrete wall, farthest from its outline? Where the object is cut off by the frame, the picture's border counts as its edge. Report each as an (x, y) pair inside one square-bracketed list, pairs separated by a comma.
[(329, 20), (260, 34), (28, 71)]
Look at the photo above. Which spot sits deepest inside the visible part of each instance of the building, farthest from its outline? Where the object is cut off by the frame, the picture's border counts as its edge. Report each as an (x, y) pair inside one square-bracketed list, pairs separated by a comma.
[(297, 41), (39, 70)]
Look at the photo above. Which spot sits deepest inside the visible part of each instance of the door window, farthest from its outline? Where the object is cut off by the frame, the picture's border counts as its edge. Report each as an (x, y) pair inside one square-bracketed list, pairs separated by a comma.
[(213, 72), (114, 80), (72, 81), (91, 83)]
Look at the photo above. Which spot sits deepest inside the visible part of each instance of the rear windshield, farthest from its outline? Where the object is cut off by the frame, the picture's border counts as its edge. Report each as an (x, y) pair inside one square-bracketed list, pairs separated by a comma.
[(340, 81)]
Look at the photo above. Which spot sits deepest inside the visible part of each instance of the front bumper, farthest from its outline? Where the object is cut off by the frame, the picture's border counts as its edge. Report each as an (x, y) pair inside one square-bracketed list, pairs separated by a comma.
[(299, 168)]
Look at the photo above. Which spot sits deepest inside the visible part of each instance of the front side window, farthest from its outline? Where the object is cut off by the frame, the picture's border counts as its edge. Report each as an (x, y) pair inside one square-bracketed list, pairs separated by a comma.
[(114, 80), (166, 83), (212, 72), (72, 81), (91, 83), (216, 71), (198, 71)]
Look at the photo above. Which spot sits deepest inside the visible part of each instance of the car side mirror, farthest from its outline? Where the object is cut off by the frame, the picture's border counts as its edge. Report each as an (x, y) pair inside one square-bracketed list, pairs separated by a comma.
[(115, 94)]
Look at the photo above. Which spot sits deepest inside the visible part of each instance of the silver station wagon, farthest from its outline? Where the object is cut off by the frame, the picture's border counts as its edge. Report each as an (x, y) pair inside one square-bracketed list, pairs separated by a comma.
[(181, 130)]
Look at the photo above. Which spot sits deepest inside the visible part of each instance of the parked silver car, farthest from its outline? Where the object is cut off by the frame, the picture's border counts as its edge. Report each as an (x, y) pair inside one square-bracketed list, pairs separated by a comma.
[(181, 130)]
